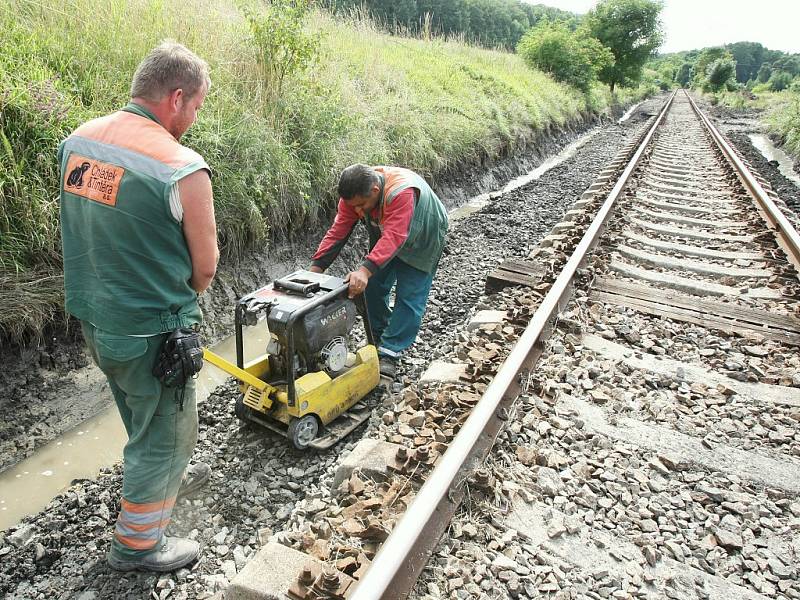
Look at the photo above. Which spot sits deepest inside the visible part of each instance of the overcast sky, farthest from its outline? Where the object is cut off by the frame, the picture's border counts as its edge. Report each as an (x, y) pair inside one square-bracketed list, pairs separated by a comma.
[(690, 24)]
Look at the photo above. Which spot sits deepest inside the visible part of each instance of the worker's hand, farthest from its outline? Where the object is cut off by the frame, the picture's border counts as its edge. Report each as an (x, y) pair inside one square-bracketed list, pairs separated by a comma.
[(315, 269), (358, 281)]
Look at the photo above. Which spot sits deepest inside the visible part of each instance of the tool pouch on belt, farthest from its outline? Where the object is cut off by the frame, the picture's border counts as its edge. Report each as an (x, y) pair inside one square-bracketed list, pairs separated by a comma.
[(181, 357)]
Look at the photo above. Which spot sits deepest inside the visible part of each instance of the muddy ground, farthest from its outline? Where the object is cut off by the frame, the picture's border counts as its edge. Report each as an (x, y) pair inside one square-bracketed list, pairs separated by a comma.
[(51, 387)]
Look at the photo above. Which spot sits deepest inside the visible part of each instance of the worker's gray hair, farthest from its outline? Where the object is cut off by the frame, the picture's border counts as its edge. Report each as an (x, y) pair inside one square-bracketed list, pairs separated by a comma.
[(357, 180), (168, 67)]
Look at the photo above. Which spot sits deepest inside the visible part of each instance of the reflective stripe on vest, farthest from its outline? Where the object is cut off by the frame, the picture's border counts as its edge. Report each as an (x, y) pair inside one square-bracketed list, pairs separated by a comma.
[(127, 267)]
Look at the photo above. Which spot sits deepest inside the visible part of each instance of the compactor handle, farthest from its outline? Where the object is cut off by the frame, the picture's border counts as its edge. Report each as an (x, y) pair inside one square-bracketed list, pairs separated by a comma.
[(302, 286)]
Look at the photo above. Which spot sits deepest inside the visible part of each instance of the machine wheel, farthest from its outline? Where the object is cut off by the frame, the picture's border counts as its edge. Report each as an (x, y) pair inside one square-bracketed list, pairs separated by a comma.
[(240, 410), (302, 431)]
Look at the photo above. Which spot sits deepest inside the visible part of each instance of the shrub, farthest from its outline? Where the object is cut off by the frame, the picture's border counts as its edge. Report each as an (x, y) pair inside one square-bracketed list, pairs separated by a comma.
[(720, 73), (784, 120), (779, 81), (573, 57), (284, 47)]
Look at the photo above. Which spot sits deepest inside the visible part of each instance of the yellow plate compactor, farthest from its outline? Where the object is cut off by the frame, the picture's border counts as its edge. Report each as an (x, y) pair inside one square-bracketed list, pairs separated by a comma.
[(308, 383)]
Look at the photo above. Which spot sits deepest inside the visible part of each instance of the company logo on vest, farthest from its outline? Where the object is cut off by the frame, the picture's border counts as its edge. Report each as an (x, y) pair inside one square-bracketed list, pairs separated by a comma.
[(75, 178), (103, 179)]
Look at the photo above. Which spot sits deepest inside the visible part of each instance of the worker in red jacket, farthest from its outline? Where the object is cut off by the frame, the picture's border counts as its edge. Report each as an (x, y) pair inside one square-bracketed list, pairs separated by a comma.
[(407, 224)]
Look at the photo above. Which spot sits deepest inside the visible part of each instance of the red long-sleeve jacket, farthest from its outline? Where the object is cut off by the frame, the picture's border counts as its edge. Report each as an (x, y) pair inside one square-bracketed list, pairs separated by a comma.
[(394, 220)]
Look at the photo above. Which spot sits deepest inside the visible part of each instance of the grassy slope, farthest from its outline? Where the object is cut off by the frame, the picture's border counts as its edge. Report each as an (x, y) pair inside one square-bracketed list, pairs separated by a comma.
[(369, 98), (781, 114), (783, 120)]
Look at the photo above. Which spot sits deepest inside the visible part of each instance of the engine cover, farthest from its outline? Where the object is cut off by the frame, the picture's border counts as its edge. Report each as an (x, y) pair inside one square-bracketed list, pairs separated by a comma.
[(313, 330), (335, 319)]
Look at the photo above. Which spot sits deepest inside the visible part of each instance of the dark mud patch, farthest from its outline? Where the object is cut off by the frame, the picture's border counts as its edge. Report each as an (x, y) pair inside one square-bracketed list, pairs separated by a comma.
[(768, 169), (45, 389)]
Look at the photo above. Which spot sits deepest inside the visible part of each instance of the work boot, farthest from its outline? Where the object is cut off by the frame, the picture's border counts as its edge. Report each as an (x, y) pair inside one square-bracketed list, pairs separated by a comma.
[(172, 553), (194, 477), (388, 366)]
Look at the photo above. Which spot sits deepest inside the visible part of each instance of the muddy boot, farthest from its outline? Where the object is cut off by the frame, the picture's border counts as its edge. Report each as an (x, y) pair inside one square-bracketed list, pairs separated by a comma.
[(171, 553), (194, 477)]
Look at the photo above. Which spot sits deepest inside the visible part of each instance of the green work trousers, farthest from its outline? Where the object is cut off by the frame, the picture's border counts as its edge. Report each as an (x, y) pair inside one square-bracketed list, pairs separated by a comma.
[(161, 438)]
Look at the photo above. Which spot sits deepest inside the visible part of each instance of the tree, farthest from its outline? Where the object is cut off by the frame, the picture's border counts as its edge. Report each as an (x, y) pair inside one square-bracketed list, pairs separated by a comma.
[(780, 80), (684, 75), (764, 72), (447, 16), (573, 57), (755, 65), (714, 69), (632, 31), (704, 60), (492, 23), (790, 63), (720, 73), (539, 12), (749, 57)]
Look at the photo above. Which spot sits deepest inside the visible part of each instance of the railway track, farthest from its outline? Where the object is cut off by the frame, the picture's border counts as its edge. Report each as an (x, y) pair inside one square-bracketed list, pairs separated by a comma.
[(645, 418)]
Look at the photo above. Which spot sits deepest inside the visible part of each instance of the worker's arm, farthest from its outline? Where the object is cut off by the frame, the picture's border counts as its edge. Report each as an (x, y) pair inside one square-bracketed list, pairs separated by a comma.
[(199, 227), (396, 223), (335, 238)]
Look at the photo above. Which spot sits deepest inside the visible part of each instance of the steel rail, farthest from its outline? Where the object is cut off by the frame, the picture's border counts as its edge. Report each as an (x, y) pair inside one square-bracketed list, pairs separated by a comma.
[(402, 556), (786, 234)]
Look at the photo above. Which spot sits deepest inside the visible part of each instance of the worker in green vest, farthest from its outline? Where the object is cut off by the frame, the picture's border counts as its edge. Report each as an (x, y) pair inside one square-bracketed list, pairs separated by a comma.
[(406, 223), (140, 243)]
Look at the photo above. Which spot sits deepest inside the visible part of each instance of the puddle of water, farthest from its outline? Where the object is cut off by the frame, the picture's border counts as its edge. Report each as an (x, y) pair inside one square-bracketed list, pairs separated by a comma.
[(28, 486), (476, 203), (771, 152), (629, 112)]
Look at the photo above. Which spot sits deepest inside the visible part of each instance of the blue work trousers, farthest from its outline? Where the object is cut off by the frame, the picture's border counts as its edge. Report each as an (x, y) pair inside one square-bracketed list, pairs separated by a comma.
[(396, 329)]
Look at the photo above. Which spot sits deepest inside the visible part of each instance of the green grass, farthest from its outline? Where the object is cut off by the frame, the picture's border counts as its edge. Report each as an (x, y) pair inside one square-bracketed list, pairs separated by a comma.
[(744, 100), (373, 98), (783, 119)]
